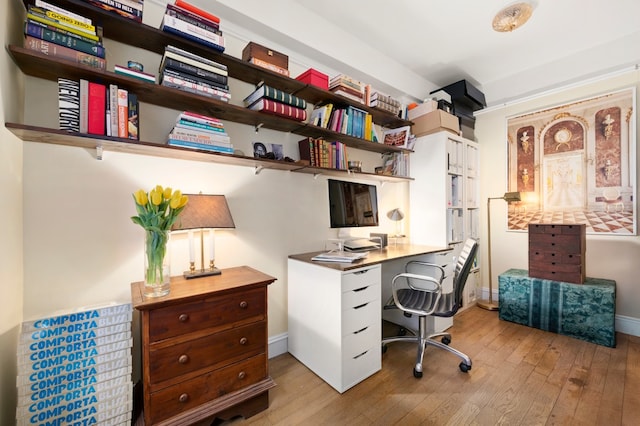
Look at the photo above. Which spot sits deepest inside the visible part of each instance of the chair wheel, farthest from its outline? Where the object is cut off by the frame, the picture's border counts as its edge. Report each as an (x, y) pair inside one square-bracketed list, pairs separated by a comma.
[(446, 340), (464, 367), (417, 374), (384, 349)]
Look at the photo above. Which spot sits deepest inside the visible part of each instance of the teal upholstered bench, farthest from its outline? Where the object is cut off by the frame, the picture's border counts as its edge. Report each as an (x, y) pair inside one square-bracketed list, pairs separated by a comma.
[(584, 311)]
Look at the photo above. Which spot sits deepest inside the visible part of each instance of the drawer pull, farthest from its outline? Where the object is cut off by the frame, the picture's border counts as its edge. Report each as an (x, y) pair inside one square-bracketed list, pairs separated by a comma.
[(183, 359), (361, 272), (183, 317), (244, 304), (360, 289), (361, 306), (242, 375), (183, 398), (243, 341), (361, 330), (358, 356)]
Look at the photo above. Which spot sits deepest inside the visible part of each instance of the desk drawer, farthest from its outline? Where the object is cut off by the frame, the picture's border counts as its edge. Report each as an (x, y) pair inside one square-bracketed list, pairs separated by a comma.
[(213, 351), (214, 312), (360, 295), (359, 317), (361, 278), (360, 366), (207, 387), (359, 341)]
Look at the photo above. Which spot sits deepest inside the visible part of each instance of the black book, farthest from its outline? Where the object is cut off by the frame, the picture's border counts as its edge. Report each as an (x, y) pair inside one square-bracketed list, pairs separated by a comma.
[(194, 71), (195, 79)]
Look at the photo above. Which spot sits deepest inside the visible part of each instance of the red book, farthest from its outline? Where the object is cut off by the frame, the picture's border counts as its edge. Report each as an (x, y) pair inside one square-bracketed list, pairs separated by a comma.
[(97, 108), (191, 8), (277, 108)]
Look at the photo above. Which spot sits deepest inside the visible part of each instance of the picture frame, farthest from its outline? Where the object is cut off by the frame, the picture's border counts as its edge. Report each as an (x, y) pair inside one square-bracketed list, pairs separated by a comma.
[(397, 137)]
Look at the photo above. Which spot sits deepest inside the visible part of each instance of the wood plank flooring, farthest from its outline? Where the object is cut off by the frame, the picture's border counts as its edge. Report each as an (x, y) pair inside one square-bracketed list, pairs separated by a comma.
[(520, 376)]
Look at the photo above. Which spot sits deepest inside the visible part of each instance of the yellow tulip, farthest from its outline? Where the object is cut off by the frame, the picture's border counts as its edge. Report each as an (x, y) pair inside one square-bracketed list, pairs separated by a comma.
[(156, 196), (167, 193), (183, 201), (141, 197)]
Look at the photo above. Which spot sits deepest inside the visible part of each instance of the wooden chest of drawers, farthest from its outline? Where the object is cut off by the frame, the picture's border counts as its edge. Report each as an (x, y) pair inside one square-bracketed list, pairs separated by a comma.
[(204, 348), (557, 252)]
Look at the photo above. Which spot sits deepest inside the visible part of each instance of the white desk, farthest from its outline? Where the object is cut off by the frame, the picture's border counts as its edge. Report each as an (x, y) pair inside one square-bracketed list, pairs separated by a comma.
[(335, 310)]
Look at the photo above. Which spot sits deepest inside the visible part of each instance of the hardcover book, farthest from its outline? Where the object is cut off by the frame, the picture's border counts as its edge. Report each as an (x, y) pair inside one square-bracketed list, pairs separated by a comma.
[(195, 57), (47, 18), (133, 120), (84, 105), (196, 79), (192, 18), (203, 146), (51, 49), (130, 9), (149, 78), (183, 68), (205, 119), (179, 83), (277, 108), (264, 91), (69, 104), (41, 31), (196, 34), (123, 114), (97, 105), (205, 14), (190, 61)]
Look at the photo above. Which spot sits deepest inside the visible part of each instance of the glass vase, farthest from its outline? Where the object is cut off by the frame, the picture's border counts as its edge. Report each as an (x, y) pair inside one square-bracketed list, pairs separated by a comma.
[(157, 271)]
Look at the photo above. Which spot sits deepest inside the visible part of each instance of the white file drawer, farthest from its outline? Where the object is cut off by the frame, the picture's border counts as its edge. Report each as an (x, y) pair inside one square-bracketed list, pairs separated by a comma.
[(359, 278), (361, 340), (360, 316), (361, 366)]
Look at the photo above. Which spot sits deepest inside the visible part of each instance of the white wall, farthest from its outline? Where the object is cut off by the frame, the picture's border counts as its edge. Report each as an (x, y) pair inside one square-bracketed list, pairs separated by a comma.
[(606, 256)]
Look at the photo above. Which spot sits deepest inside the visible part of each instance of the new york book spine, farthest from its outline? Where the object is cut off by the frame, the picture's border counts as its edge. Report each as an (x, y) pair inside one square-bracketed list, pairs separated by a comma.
[(181, 67), (192, 18), (33, 29), (51, 49), (69, 105)]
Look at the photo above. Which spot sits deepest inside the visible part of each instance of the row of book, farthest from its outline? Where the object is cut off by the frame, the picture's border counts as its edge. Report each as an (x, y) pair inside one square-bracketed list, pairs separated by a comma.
[(321, 153), (274, 101), (130, 9), (357, 91), (187, 71), (348, 120), (197, 131), (96, 108), (188, 21), (55, 31)]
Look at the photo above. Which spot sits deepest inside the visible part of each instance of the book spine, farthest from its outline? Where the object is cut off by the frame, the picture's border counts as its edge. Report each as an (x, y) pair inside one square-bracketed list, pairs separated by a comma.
[(196, 80), (64, 32), (197, 87), (283, 110), (34, 30), (197, 58), (63, 20), (200, 126), (47, 21), (69, 105), (184, 135), (44, 5), (97, 103), (203, 146), (199, 117), (113, 107), (129, 10), (193, 38), (284, 97), (188, 6), (123, 115), (270, 67), (84, 105), (192, 18), (181, 67), (193, 30), (51, 49), (133, 117)]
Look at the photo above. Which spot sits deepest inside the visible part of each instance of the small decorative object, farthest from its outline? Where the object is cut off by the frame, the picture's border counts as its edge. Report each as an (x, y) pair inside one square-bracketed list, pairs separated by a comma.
[(525, 142), (608, 126), (157, 212), (397, 137), (525, 177), (355, 166)]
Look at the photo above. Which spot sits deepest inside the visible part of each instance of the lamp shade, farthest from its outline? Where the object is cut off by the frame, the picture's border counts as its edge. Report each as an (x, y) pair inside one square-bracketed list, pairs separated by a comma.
[(395, 215), (204, 211), (510, 197)]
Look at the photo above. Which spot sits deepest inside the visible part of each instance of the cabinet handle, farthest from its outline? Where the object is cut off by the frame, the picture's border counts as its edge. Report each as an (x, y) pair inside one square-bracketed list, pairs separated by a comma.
[(361, 306), (242, 375), (243, 341), (361, 330), (183, 317), (358, 356), (183, 398), (361, 272), (244, 304), (183, 359), (360, 289)]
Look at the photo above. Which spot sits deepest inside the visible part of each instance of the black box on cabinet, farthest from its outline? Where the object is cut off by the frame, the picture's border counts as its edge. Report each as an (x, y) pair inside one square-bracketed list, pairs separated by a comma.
[(465, 95)]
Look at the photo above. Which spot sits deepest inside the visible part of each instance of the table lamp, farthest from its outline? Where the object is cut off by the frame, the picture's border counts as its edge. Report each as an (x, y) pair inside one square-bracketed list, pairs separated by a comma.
[(203, 212), (396, 215), (509, 197)]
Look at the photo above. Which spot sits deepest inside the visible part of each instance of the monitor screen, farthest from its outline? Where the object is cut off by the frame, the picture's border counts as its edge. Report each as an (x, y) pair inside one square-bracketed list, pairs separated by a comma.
[(352, 204)]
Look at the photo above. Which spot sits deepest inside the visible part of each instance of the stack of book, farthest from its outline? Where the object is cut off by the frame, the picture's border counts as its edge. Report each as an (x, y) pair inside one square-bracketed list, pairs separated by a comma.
[(384, 102), (199, 131), (97, 109), (348, 87), (75, 368), (57, 32), (274, 101), (321, 153), (130, 9), (187, 71), (188, 21)]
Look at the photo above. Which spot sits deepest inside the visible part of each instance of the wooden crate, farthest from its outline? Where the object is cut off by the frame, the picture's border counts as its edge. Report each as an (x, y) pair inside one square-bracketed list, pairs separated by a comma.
[(557, 252)]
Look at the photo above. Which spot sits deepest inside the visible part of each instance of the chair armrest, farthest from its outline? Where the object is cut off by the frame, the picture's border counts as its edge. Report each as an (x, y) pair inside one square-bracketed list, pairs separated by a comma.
[(434, 286), (432, 266)]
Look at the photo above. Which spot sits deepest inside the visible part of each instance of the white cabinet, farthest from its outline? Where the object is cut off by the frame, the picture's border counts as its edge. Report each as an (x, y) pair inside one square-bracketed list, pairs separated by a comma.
[(444, 196), (334, 321)]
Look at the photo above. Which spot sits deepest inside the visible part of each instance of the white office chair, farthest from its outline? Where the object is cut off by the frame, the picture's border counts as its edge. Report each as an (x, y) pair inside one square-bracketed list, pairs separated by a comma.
[(421, 294)]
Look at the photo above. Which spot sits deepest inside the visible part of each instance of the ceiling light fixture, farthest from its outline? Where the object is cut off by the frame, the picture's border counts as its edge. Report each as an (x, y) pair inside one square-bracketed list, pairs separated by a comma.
[(512, 17)]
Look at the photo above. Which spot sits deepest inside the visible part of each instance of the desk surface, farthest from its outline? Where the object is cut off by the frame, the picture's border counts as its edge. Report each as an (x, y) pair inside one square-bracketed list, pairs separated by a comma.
[(375, 256)]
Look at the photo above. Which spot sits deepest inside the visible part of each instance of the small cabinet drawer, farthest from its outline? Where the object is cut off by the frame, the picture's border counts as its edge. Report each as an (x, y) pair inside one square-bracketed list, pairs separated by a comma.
[(360, 366), (361, 316), (208, 313), (360, 340), (214, 351), (207, 387), (361, 295), (549, 257), (361, 278)]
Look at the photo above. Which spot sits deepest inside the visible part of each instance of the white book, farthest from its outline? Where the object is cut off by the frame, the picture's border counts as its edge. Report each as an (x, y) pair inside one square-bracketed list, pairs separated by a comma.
[(54, 8), (194, 30)]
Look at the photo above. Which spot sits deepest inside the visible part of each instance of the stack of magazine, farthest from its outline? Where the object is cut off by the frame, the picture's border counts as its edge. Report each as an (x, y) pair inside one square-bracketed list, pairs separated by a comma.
[(339, 256)]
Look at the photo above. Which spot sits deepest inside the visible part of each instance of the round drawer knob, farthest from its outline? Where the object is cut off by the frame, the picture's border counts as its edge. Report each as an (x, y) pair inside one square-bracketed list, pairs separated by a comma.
[(244, 304), (183, 398), (242, 375), (183, 359), (243, 341), (183, 318)]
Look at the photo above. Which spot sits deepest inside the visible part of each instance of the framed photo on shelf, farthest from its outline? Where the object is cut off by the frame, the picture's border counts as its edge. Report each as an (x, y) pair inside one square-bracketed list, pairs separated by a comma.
[(397, 137)]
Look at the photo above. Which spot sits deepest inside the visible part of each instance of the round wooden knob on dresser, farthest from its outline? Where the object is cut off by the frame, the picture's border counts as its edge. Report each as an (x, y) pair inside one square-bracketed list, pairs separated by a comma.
[(244, 304), (183, 359), (183, 398), (243, 341), (242, 375), (183, 318)]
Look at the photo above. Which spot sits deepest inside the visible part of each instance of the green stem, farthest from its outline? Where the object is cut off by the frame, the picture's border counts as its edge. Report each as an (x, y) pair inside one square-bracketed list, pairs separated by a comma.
[(156, 249)]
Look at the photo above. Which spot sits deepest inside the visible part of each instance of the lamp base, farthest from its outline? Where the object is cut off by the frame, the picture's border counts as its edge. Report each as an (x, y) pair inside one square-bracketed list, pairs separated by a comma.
[(202, 273), (489, 306)]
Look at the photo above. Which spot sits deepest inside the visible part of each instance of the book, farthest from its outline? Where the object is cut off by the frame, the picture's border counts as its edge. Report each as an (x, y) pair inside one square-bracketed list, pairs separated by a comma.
[(190, 61), (179, 83), (203, 146), (46, 21), (61, 30), (264, 91), (277, 108), (193, 116), (113, 109), (270, 67), (96, 108), (196, 126), (69, 105), (123, 114), (188, 6), (195, 79), (200, 137), (196, 34), (51, 49), (63, 19), (306, 147), (192, 18), (348, 95), (84, 106), (44, 5), (37, 30), (195, 57), (183, 68), (149, 78), (130, 9), (133, 121)]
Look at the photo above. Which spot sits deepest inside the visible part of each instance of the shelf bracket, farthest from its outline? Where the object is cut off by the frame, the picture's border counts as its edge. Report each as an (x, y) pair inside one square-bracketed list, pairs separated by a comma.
[(258, 127), (257, 170), (99, 152)]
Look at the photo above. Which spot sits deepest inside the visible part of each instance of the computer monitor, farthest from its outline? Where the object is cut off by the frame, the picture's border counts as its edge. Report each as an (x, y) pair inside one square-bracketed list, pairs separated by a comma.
[(352, 204)]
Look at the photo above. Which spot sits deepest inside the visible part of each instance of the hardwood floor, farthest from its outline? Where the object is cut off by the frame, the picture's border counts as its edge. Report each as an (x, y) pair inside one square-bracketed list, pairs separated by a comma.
[(520, 376)]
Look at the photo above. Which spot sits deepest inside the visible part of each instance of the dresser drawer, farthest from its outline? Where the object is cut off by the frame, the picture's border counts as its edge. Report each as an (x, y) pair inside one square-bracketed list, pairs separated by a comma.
[(207, 387), (548, 257), (361, 278), (556, 242), (208, 313), (214, 351)]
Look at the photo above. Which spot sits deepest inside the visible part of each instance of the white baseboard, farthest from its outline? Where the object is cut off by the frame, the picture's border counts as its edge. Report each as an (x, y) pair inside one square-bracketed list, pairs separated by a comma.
[(278, 345)]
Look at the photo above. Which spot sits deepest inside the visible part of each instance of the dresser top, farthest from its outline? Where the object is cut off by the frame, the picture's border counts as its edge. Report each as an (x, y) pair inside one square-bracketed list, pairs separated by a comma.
[(183, 290)]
